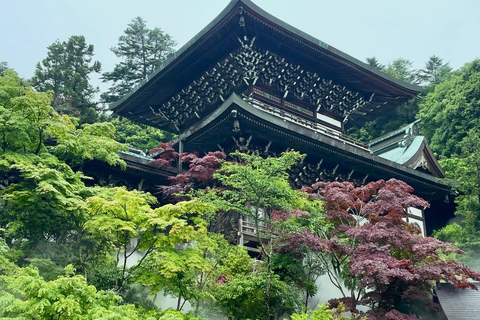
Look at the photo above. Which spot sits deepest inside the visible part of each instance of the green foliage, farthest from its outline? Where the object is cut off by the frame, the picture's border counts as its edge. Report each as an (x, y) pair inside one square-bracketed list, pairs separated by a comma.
[(138, 135), (464, 172), (4, 67), (450, 116), (261, 182), (24, 294), (435, 71), (117, 215), (91, 141), (325, 313), (256, 187), (42, 195), (68, 297), (300, 269), (27, 120), (46, 268), (180, 257), (373, 62), (217, 261), (167, 246), (142, 50), (46, 202), (170, 314), (402, 69), (25, 116), (7, 265), (243, 296), (66, 71), (452, 109)]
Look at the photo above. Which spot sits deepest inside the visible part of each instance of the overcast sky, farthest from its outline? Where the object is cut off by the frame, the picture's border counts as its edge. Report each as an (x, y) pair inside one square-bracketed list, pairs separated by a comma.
[(412, 29)]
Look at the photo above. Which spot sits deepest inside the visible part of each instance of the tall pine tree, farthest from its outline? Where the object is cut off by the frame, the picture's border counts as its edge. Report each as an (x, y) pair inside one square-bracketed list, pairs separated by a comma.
[(66, 71), (141, 50), (4, 67), (435, 71)]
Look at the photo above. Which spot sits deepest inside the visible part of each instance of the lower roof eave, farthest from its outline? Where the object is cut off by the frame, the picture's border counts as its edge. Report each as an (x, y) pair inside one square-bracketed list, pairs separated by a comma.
[(306, 136)]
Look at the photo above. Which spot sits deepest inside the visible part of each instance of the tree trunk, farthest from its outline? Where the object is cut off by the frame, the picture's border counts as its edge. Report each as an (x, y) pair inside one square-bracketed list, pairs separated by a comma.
[(178, 302), (306, 301), (267, 291)]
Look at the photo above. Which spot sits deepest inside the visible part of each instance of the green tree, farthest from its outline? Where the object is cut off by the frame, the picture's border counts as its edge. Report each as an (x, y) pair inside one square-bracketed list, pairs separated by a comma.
[(218, 261), (29, 296), (4, 67), (435, 71), (24, 294), (402, 69), (50, 218), (89, 142), (116, 218), (373, 62), (464, 172), (452, 109), (137, 233), (258, 188), (176, 259), (165, 248), (243, 296), (192, 273), (66, 71), (141, 50), (42, 193)]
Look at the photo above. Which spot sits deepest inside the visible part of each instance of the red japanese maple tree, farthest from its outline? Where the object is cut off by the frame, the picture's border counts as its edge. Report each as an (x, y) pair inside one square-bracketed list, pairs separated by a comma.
[(372, 255), (198, 171)]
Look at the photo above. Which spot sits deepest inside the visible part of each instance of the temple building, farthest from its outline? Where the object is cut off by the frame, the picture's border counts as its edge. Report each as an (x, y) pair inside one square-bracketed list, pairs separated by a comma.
[(250, 82)]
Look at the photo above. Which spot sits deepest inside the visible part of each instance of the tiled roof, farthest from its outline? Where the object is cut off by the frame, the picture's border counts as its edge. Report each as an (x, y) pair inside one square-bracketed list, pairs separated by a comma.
[(458, 304)]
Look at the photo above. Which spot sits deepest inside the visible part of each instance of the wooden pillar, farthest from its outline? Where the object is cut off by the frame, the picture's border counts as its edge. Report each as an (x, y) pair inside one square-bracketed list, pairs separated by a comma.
[(240, 231), (140, 184), (180, 150)]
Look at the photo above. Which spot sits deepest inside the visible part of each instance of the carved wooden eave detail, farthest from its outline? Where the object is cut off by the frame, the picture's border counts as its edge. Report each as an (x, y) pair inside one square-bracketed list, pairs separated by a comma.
[(250, 66)]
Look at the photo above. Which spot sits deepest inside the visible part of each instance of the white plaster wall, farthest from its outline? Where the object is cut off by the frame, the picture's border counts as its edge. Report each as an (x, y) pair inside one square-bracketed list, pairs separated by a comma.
[(326, 291)]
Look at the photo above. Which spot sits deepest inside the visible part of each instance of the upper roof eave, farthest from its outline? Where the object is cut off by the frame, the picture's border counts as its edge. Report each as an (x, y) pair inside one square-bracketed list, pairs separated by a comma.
[(326, 46), (235, 4)]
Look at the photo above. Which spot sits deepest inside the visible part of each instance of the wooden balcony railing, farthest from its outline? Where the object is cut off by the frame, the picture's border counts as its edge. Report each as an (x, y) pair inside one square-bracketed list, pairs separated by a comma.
[(307, 123)]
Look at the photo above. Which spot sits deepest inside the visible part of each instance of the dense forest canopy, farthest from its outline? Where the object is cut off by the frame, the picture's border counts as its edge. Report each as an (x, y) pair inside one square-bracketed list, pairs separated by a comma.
[(69, 250)]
